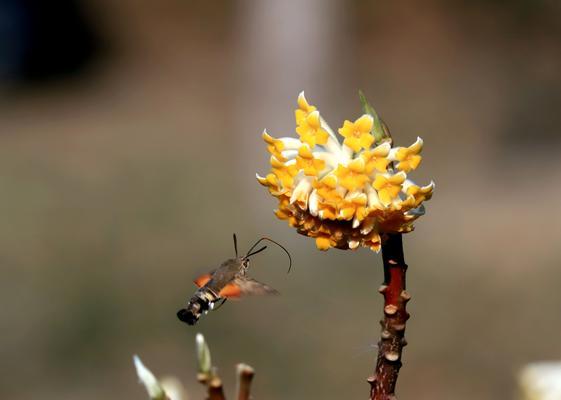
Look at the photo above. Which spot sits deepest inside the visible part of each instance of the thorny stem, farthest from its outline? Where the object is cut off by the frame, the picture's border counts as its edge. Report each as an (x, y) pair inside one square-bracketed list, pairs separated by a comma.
[(392, 341)]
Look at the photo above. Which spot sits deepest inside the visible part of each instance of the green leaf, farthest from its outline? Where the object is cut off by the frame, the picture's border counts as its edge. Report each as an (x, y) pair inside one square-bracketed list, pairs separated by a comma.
[(380, 131)]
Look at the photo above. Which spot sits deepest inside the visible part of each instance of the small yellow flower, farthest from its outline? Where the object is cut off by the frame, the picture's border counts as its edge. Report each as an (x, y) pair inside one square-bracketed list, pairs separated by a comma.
[(420, 194), (357, 134), (306, 162), (271, 182), (286, 175), (388, 186), (284, 212), (310, 130), (328, 190), (304, 109), (408, 157), (376, 159), (324, 241), (354, 206), (353, 176)]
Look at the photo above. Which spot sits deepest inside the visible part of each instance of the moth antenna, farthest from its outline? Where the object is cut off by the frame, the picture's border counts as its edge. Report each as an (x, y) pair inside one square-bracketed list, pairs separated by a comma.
[(236, 245), (256, 251), (278, 244)]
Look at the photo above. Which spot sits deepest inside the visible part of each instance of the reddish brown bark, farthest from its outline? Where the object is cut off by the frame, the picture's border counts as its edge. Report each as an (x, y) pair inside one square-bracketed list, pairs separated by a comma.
[(392, 341), (215, 391)]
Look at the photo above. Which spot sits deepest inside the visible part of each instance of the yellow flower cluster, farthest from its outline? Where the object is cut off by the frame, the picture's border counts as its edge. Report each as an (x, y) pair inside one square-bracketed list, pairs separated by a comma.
[(343, 194)]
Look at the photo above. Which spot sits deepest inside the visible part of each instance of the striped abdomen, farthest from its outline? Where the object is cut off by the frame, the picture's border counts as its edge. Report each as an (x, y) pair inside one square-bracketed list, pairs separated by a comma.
[(202, 301)]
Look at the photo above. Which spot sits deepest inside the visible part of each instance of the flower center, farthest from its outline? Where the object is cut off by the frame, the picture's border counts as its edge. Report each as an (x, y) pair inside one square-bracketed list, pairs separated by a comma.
[(357, 134)]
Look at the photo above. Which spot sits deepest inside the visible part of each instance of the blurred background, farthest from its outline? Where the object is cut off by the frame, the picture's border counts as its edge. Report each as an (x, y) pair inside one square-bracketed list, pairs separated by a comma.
[(129, 140)]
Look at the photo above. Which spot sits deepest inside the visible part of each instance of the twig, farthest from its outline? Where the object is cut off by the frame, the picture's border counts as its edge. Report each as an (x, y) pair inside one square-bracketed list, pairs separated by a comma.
[(215, 391), (390, 346), (213, 384), (244, 377)]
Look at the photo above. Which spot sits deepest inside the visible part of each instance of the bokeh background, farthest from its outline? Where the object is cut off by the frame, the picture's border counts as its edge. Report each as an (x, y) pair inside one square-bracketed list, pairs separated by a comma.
[(129, 140)]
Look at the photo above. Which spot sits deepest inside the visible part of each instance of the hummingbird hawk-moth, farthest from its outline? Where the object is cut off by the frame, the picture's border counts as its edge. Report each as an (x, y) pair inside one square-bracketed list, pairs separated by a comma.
[(229, 280)]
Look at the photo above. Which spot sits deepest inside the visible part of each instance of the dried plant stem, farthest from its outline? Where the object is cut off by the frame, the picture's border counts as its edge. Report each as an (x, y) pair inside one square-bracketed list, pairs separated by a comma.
[(214, 386), (392, 341), (215, 391), (244, 377)]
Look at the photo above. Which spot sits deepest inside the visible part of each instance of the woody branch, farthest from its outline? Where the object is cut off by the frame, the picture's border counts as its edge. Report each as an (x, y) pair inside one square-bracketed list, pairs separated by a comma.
[(392, 341), (213, 385)]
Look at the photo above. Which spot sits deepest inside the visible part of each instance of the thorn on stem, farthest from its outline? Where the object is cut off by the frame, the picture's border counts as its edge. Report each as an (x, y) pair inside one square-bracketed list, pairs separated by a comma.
[(390, 309), (391, 356), (405, 295)]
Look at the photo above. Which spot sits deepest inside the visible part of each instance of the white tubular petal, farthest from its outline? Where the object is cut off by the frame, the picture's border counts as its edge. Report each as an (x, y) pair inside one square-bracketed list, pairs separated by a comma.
[(331, 160), (333, 146), (373, 200), (355, 194), (347, 153), (289, 154), (328, 129), (391, 155), (382, 150), (301, 192), (356, 223), (353, 244), (314, 203), (290, 143)]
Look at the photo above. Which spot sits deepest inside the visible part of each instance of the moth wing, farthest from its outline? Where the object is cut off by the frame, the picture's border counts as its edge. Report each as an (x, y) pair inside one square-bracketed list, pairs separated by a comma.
[(230, 291), (252, 287), (202, 280)]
